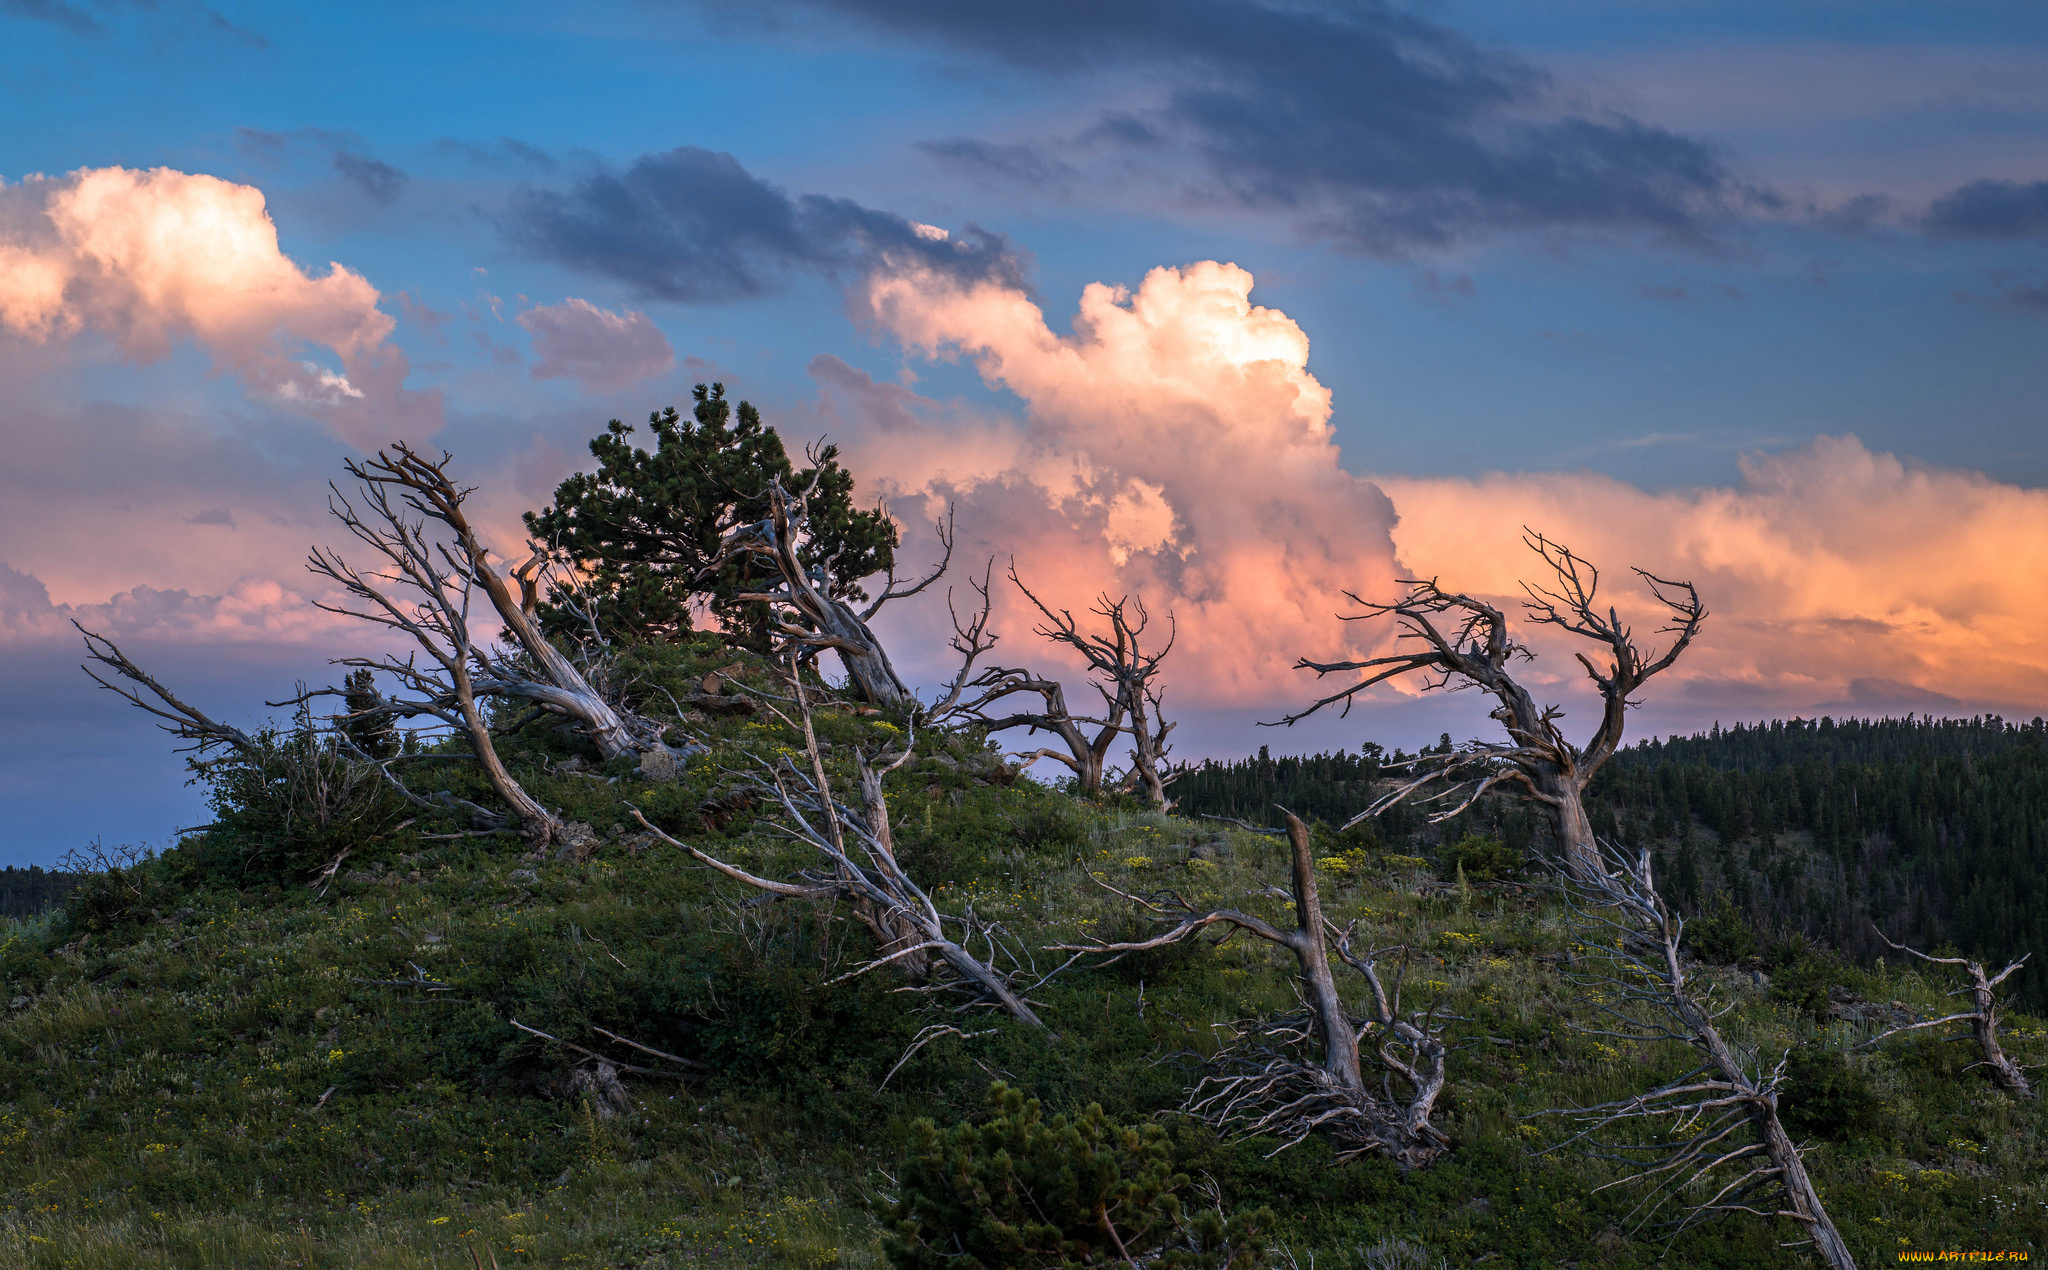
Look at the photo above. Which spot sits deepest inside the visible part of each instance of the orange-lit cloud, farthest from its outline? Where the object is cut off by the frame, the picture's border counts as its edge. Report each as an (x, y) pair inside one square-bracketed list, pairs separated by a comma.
[(1838, 577), (1174, 446), (146, 259)]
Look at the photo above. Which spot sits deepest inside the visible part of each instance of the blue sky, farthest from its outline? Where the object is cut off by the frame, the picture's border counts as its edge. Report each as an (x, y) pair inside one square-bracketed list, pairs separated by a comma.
[(1588, 238)]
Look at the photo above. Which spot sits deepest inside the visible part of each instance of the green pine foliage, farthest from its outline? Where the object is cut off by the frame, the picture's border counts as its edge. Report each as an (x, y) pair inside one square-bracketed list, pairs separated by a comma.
[(647, 525), (1016, 1192)]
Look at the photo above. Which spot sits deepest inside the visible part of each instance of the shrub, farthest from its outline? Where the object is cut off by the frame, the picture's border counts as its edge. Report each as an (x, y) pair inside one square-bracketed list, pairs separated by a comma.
[(1723, 937), (1824, 1096), (1482, 858), (1017, 1192), (1802, 974)]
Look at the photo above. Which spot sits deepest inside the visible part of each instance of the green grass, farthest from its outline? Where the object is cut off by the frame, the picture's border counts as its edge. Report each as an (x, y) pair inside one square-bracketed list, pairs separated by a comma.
[(162, 1069)]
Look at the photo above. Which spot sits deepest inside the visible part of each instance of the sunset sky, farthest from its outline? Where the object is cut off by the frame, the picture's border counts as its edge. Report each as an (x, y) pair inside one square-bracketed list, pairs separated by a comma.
[(1233, 305)]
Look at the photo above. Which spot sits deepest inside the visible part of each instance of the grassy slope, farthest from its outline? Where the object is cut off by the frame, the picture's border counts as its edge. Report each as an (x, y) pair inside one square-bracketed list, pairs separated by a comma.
[(161, 1076)]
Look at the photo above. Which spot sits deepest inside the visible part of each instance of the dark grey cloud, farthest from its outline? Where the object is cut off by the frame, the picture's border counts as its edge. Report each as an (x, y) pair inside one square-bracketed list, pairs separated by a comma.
[(2034, 298), (494, 152), (1018, 164), (1375, 127), (1992, 209), (343, 149), (692, 224), (374, 177), (76, 19), (55, 12)]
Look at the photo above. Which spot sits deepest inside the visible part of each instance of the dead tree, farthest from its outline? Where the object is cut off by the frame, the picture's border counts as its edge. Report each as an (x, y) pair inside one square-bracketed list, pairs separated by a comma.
[(1465, 642), (1983, 1020), (1265, 1088), (546, 676), (808, 616), (1124, 677), (860, 867), (422, 588), (1717, 1119)]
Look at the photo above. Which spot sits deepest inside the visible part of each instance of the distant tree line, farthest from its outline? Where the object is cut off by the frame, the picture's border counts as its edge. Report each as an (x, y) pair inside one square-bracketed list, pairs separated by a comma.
[(32, 891), (1935, 830)]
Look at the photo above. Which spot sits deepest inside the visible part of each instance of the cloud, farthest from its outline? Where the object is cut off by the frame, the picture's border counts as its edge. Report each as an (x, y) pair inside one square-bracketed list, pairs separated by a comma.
[(692, 224), (502, 150), (1835, 575), (253, 608), (601, 350), (55, 12), (1368, 125), (147, 259), (1007, 164), (1174, 445), (23, 598), (375, 178), (75, 19), (1992, 209)]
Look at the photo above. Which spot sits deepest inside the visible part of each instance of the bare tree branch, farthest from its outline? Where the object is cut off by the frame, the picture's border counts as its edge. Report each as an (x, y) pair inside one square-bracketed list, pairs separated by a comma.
[(187, 723), (970, 640), (808, 617), (1125, 678), (1460, 642)]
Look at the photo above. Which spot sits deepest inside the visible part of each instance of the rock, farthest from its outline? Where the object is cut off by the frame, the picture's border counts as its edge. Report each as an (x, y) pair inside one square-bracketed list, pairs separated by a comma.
[(661, 766), (722, 706), (710, 681), (579, 843), (522, 875)]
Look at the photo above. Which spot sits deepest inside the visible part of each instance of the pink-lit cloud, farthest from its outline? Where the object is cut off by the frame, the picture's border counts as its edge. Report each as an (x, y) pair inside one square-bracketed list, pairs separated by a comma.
[(601, 350), (149, 259), (1174, 446), (1838, 577)]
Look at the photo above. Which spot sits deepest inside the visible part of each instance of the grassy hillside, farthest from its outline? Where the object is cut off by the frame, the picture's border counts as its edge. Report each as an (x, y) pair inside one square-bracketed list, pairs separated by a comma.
[(205, 1062)]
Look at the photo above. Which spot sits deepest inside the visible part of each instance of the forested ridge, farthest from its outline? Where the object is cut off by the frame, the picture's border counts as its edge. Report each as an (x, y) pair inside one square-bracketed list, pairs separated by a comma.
[(1934, 829)]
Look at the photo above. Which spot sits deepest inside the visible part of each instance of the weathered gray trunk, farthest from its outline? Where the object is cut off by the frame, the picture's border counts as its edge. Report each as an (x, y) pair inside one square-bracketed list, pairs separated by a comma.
[(1563, 795), (541, 825), (1147, 752), (2005, 1073), (1827, 1241), (1763, 1113), (874, 680), (1340, 1042)]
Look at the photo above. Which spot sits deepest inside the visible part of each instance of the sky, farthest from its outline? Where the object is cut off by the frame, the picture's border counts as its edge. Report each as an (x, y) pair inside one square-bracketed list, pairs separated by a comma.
[(1245, 308)]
